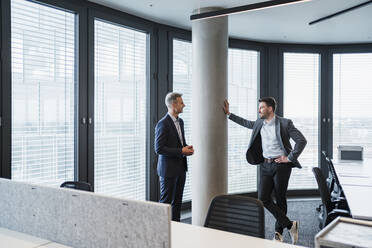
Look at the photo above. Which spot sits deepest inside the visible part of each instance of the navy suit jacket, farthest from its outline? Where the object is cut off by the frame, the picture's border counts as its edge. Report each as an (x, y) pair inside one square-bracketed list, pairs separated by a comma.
[(171, 162)]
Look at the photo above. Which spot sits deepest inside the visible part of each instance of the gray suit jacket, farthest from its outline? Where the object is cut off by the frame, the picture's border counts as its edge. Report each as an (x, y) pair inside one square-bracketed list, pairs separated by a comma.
[(284, 131)]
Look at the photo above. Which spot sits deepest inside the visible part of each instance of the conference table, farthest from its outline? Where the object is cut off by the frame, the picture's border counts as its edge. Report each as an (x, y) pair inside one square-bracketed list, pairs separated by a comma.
[(190, 236), (356, 181), (182, 236)]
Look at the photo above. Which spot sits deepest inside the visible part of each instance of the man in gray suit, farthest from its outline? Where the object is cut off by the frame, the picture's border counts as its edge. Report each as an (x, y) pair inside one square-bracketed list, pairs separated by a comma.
[(270, 148)]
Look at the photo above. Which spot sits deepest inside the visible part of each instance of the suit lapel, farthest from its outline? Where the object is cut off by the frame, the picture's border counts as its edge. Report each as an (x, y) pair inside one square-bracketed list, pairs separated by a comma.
[(182, 125), (277, 132), (171, 123), (256, 131)]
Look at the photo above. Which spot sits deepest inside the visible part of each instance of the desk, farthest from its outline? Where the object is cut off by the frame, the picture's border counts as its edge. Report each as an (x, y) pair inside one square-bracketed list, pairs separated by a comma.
[(345, 232), (189, 236), (182, 236), (13, 239), (359, 201), (356, 181), (354, 169)]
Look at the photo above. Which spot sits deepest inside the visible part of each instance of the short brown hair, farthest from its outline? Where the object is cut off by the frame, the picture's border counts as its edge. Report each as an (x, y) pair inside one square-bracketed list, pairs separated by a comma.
[(270, 102)]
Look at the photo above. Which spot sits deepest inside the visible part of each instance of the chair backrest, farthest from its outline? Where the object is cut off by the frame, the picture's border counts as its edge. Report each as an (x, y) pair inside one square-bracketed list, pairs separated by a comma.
[(331, 168), (237, 214), (333, 171), (77, 185), (323, 189)]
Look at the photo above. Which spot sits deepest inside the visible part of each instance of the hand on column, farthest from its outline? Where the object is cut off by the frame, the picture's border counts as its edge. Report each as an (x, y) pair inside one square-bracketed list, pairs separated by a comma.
[(226, 108)]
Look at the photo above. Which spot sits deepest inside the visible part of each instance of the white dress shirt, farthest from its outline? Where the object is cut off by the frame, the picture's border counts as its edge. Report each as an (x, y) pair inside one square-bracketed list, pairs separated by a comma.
[(178, 127), (270, 144)]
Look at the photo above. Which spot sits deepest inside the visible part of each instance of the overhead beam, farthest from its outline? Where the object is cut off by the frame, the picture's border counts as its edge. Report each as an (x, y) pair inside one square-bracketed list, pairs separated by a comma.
[(244, 8), (340, 12)]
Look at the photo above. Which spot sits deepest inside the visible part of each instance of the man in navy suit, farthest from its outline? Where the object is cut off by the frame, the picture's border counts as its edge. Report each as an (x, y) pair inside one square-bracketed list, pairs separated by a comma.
[(170, 145)]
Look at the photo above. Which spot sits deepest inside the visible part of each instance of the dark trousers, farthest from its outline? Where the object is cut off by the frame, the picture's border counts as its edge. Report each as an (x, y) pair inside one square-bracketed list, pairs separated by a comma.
[(171, 192), (275, 177)]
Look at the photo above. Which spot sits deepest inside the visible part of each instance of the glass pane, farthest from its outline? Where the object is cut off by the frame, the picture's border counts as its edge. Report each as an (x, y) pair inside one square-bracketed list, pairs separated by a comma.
[(352, 114), (243, 93), (44, 89), (182, 76), (120, 111), (301, 105)]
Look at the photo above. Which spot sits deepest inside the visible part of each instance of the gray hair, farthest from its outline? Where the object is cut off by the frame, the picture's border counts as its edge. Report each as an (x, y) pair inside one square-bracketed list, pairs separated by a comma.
[(171, 98)]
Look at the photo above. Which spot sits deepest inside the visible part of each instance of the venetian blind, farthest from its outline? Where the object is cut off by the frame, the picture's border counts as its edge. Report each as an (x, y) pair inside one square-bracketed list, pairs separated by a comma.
[(301, 105), (352, 114), (120, 110), (43, 93)]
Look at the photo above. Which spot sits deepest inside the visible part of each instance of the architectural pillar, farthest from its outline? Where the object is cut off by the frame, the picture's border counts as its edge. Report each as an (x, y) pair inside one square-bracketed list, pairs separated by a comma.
[(209, 123)]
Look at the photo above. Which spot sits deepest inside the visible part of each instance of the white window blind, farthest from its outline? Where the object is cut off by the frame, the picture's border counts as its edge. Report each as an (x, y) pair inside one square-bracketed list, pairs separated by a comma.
[(352, 101), (301, 105), (43, 93), (120, 111), (182, 76), (243, 92)]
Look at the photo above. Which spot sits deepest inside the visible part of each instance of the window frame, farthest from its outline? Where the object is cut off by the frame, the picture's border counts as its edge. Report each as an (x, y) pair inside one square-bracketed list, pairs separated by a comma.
[(307, 50), (332, 50), (171, 36), (160, 80), (80, 55), (263, 86), (127, 21)]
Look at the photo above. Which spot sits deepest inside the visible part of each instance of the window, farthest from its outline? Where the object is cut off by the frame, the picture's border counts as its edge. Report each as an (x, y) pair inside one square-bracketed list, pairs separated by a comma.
[(352, 113), (243, 92), (301, 105), (182, 76), (44, 89), (120, 111)]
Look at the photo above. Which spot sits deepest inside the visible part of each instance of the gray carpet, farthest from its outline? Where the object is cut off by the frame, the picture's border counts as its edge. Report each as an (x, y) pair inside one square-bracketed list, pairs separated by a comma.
[(302, 210)]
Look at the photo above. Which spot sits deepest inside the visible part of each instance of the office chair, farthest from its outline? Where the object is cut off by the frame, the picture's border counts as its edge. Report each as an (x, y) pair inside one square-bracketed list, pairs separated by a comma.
[(237, 214), (331, 208), (330, 180), (77, 185), (334, 186)]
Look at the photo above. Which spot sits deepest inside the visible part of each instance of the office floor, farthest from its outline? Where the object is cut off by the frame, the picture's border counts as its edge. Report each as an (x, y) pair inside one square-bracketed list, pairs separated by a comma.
[(301, 209)]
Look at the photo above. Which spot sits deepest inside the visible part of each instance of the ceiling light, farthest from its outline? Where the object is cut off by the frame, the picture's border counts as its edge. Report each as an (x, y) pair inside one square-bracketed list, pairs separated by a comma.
[(244, 8), (340, 12)]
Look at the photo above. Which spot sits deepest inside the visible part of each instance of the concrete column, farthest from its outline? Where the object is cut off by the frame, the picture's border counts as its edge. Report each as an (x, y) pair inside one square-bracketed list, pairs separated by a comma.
[(209, 123)]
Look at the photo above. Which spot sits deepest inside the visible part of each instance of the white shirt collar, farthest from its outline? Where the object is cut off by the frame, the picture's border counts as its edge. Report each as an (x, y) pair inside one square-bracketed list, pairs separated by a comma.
[(173, 118), (271, 122)]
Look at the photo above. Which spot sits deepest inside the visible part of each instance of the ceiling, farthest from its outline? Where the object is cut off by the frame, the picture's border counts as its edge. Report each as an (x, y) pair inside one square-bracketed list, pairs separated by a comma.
[(287, 24)]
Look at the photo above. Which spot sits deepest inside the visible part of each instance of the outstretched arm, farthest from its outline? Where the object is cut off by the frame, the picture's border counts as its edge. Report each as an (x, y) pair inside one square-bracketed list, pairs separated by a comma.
[(241, 121)]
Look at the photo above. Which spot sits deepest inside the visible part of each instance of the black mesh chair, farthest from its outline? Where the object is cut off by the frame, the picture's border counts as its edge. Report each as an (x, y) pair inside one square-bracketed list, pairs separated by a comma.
[(334, 186), (77, 185), (331, 208), (337, 188), (237, 214)]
